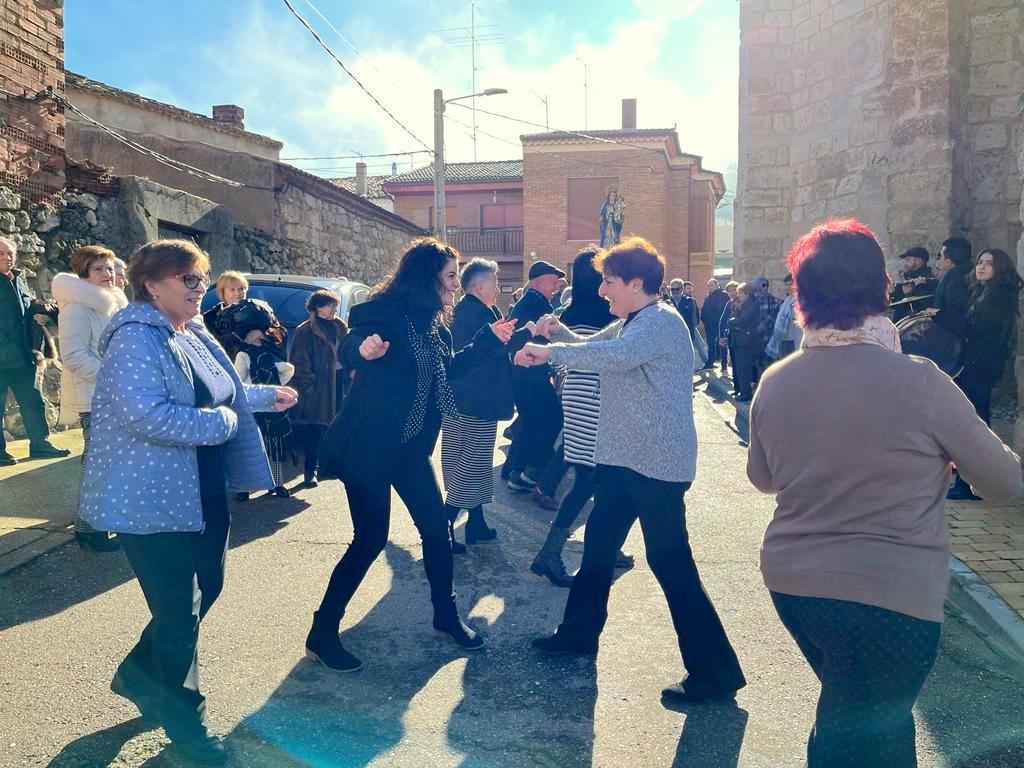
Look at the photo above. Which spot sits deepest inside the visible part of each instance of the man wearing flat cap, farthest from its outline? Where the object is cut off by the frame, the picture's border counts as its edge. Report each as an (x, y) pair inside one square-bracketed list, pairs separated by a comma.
[(540, 410), (918, 280)]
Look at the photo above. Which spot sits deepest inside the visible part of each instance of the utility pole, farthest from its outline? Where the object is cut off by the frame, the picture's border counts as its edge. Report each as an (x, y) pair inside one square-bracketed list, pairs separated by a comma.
[(472, 64), (440, 230)]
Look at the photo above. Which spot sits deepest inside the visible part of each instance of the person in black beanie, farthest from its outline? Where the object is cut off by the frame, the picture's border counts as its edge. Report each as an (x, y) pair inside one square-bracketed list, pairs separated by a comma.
[(386, 430)]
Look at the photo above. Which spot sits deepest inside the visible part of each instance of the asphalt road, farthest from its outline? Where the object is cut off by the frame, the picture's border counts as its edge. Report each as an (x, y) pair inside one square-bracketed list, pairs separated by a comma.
[(67, 618)]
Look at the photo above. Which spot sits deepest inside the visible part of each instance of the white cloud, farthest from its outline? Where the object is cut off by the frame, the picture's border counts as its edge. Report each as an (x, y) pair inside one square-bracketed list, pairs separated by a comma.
[(292, 90)]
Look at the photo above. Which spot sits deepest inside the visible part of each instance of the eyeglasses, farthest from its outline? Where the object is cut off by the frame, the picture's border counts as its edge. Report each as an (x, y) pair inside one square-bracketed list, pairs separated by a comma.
[(676, 290), (192, 280)]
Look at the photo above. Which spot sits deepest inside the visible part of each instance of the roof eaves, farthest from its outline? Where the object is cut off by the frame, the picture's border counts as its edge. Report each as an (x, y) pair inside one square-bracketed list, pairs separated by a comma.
[(74, 80)]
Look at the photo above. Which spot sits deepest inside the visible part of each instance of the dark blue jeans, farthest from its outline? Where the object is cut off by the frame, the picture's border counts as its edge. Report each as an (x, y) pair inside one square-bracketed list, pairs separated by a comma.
[(871, 663)]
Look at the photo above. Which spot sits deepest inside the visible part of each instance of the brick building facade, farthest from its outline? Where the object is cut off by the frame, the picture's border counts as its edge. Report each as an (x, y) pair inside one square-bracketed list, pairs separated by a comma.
[(31, 128), (484, 210), (670, 198)]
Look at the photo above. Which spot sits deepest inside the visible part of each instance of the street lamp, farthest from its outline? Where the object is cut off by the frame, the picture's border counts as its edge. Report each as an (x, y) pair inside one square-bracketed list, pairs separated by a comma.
[(440, 227)]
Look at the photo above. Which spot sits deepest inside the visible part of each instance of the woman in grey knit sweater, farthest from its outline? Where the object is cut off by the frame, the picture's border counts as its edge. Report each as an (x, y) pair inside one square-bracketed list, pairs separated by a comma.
[(644, 360)]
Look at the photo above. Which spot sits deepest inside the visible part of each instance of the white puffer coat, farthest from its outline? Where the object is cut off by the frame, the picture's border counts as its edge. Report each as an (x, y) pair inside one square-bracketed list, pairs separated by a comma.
[(85, 310)]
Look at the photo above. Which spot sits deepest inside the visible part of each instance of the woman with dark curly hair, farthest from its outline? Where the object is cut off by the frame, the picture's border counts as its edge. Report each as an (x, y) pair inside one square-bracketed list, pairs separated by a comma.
[(386, 430), (856, 556), (991, 313)]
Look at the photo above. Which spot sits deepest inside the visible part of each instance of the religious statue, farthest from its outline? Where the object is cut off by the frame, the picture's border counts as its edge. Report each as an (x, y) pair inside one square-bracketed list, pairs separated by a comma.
[(613, 210)]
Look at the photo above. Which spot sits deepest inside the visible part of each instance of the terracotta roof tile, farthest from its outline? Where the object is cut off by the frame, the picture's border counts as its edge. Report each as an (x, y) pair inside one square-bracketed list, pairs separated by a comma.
[(497, 170)]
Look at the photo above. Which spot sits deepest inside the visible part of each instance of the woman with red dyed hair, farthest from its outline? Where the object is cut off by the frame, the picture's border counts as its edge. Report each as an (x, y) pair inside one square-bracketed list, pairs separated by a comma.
[(856, 556)]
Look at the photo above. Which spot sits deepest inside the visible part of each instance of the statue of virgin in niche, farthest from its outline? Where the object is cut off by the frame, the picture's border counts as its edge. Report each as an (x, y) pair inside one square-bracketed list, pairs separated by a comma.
[(610, 217)]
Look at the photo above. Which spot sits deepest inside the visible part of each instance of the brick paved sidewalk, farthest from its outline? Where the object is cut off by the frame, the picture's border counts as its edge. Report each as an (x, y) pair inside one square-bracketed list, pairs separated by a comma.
[(989, 539)]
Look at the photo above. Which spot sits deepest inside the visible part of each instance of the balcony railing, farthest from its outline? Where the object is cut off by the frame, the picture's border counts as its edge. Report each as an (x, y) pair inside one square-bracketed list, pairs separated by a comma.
[(507, 241)]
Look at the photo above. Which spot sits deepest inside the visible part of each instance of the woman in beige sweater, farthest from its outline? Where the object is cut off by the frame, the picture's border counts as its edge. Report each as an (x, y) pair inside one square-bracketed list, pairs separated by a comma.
[(856, 439)]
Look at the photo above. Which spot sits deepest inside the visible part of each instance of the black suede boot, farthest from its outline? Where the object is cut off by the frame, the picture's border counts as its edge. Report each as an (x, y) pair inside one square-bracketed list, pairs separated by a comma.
[(447, 622), (476, 527), (324, 645)]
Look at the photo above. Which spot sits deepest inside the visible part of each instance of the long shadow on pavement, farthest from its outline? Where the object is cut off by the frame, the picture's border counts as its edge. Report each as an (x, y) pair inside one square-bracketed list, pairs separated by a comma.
[(419, 696), (99, 748), (69, 575)]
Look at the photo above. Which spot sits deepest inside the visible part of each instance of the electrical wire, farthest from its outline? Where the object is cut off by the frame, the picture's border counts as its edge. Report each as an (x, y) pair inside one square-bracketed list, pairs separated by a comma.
[(355, 79)]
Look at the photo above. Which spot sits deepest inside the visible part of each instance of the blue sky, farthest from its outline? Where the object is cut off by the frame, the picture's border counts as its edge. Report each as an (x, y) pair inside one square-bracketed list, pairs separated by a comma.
[(679, 58)]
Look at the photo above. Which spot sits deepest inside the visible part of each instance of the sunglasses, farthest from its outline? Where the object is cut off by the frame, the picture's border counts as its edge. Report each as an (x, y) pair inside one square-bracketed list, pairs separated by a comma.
[(192, 280)]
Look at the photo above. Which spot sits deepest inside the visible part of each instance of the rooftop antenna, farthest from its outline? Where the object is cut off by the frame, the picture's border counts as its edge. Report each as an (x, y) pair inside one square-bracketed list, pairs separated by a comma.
[(472, 37)]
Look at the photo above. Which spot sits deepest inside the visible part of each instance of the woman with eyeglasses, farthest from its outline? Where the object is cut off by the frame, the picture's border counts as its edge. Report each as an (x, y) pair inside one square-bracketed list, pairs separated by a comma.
[(172, 431)]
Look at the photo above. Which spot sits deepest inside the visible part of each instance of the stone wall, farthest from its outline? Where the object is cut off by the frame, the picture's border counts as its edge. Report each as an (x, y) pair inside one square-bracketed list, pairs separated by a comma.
[(900, 112), (1018, 435), (325, 231)]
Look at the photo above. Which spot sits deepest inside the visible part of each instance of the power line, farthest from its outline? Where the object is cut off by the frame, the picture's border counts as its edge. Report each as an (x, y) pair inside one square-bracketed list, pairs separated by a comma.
[(355, 79), (357, 157), (370, 63)]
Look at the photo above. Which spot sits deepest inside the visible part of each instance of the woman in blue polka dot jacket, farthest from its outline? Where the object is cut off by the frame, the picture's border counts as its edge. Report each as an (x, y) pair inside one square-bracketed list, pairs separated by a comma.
[(172, 429)]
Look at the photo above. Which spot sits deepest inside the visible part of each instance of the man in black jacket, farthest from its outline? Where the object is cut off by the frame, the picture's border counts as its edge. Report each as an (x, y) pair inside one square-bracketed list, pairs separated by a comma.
[(711, 316), (540, 411), (17, 368), (918, 280), (682, 297), (952, 294)]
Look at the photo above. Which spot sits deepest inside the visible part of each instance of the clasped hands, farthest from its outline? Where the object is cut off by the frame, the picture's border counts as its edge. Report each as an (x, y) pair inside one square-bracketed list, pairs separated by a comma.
[(374, 347)]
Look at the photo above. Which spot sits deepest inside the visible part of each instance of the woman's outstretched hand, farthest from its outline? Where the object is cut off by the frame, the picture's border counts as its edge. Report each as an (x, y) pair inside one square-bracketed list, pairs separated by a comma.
[(373, 347), (503, 329), (284, 398), (532, 354)]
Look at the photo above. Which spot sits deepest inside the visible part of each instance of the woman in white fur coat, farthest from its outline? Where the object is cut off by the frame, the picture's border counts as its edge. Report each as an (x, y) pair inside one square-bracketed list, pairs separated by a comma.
[(87, 300)]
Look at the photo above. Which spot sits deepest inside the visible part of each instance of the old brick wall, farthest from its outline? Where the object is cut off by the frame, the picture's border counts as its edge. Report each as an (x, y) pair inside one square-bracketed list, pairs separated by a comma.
[(31, 132), (654, 205), (321, 230), (416, 206)]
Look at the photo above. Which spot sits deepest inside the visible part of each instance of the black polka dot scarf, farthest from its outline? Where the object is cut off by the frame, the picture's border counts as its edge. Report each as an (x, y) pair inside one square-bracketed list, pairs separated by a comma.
[(431, 378)]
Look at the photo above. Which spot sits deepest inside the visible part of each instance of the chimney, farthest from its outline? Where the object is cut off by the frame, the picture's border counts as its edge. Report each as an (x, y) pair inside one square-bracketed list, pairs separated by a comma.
[(629, 114), (394, 168), (229, 114), (361, 179)]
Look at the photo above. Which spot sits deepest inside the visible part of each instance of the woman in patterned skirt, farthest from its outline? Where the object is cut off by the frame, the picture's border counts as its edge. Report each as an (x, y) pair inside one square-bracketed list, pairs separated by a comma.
[(482, 398)]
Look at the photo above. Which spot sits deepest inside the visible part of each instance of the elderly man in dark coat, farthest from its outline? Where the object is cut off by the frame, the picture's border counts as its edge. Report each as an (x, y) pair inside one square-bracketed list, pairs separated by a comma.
[(17, 368)]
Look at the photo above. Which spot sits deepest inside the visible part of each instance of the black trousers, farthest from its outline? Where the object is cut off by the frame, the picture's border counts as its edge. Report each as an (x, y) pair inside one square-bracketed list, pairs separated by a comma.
[(312, 435), (623, 496), (871, 663), (978, 389), (181, 575), (540, 411), (22, 382), (743, 370), (714, 351), (553, 473), (582, 489), (369, 501)]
